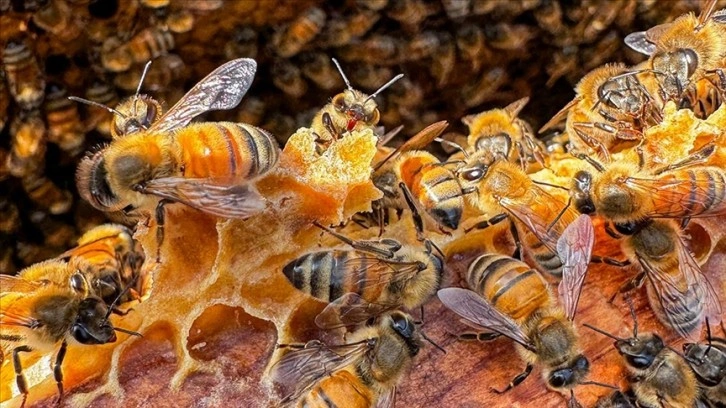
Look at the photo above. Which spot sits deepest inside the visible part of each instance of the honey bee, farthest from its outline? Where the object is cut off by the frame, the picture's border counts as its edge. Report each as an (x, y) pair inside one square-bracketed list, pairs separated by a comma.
[(361, 373), (509, 37), (515, 301), (28, 144), (612, 104), (40, 315), (683, 51), (57, 19), (624, 192), (288, 78), (443, 65), (46, 194), (456, 9), (658, 376), (348, 111), (678, 292), (379, 49), (487, 127), (97, 117), (110, 260), (371, 77), (373, 278), (10, 216), (25, 79), (148, 44), (65, 127), (471, 42), (708, 362), (494, 185), (423, 45), (206, 166), (407, 94), (319, 69), (242, 44), (169, 68), (410, 13), (485, 88), (290, 40), (414, 178)]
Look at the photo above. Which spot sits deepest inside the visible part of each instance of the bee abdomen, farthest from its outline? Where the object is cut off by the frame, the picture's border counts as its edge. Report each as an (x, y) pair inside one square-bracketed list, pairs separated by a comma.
[(548, 261), (318, 274), (252, 151), (685, 320)]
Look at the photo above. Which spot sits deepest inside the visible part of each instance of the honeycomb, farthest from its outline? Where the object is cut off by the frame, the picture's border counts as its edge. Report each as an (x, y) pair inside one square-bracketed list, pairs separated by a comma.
[(217, 303)]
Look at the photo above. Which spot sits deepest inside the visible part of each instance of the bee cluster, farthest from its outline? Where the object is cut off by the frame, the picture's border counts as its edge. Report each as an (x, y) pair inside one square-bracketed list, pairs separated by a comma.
[(463, 55), (314, 251)]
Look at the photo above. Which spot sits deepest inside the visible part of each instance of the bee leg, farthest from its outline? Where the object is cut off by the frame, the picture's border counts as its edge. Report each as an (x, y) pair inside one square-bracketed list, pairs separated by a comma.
[(633, 283), (610, 231), (19, 377), (481, 336), (593, 143), (160, 219), (417, 219), (488, 223), (609, 261), (58, 370), (519, 252), (330, 127), (684, 222), (516, 380), (697, 157)]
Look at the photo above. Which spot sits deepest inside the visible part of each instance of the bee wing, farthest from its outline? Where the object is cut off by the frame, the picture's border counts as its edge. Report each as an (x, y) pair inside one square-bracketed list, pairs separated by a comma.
[(418, 141), (387, 399), (350, 310), (299, 370), (374, 276), (676, 295), (220, 197), (16, 284), (574, 248), (9, 317), (719, 16), (222, 89), (559, 116), (474, 308), (639, 42), (529, 215), (677, 197)]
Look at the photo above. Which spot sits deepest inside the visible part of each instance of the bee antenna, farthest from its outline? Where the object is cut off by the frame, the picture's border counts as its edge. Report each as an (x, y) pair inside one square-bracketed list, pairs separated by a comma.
[(345, 78), (603, 332), (612, 387), (708, 337), (452, 144), (425, 337), (133, 333), (333, 233), (118, 298), (592, 162), (141, 81), (100, 105), (383, 87)]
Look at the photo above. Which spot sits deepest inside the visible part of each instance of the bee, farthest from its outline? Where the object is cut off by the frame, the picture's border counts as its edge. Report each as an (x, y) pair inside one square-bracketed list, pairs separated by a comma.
[(504, 123), (361, 373), (658, 376), (348, 111), (471, 42), (678, 292), (443, 65), (288, 78), (704, 96), (373, 278), (291, 39), (407, 94), (612, 105), (97, 117), (65, 127), (374, 5), (708, 362), (206, 166), (168, 68), (148, 44), (414, 178), (319, 69), (410, 13), (9, 214), (371, 77), (423, 45), (40, 315), (615, 399), (25, 79), (378, 49), (485, 88), (685, 50), (494, 185), (28, 144), (242, 44), (624, 192), (509, 37), (515, 301), (110, 260), (456, 9), (46, 194), (56, 18)]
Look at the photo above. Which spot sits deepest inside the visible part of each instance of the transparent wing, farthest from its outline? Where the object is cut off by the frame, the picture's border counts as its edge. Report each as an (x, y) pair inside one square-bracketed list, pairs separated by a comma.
[(387, 399), (299, 370), (222, 198), (574, 248), (532, 212), (10, 317), (639, 42), (350, 310), (222, 89), (418, 141), (15, 284), (474, 308), (673, 197), (719, 16), (559, 116)]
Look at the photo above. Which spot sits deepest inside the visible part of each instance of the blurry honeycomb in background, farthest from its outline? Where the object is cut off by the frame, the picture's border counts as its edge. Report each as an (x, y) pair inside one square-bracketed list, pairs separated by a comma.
[(459, 57)]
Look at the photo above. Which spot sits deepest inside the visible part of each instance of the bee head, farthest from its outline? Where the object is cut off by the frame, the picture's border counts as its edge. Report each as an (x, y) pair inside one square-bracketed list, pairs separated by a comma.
[(569, 375), (137, 114), (676, 69), (91, 325), (640, 352), (708, 362)]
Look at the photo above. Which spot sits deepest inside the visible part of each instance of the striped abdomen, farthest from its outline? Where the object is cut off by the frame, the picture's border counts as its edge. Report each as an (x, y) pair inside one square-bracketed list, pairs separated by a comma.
[(342, 389), (545, 260), (508, 284), (328, 275), (689, 315), (226, 149), (692, 192), (149, 44)]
